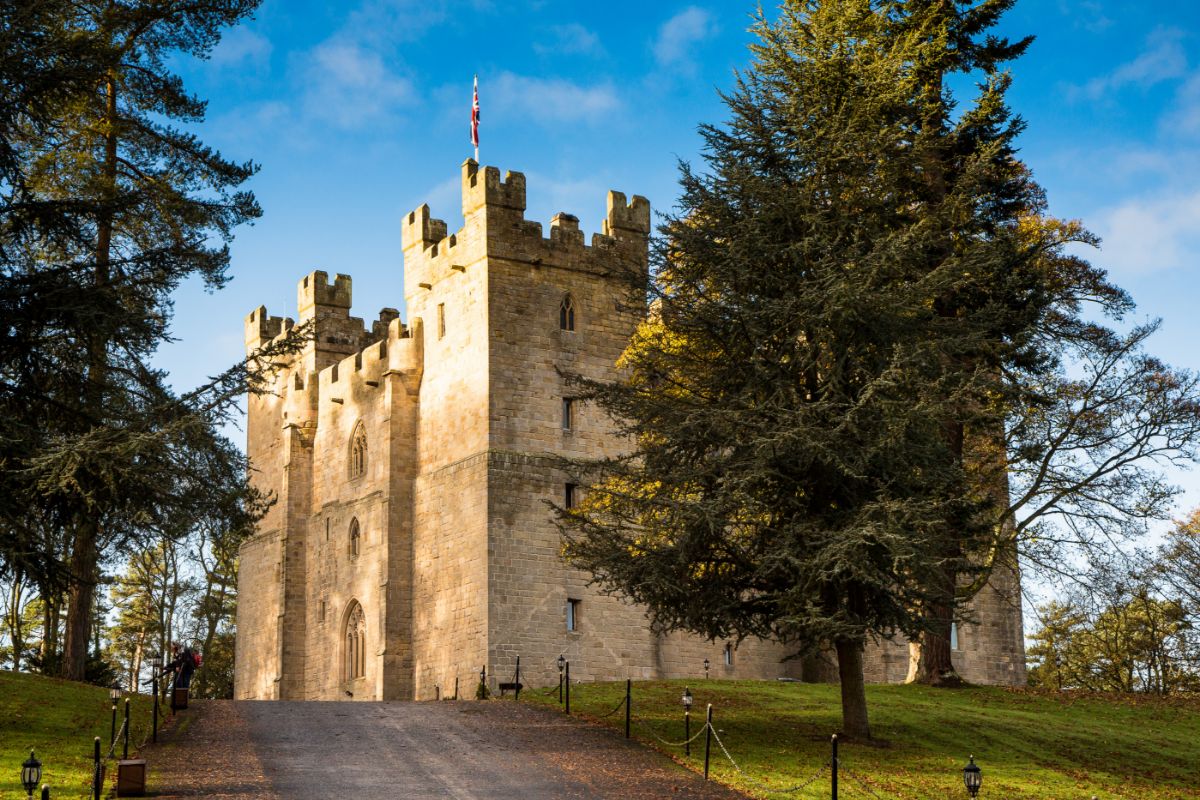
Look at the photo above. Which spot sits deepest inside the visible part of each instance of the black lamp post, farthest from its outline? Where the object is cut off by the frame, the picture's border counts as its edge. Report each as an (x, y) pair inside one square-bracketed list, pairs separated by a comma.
[(687, 721), (31, 773), (155, 668), (562, 662), (706, 669), (972, 777), (114, 694)]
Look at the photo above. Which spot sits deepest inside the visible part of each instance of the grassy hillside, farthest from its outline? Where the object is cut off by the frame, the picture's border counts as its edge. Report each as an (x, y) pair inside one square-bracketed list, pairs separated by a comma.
[(58, 719), (1029, 745)]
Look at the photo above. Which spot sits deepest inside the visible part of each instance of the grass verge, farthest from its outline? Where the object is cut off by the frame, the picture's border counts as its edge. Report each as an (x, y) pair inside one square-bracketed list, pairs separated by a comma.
[(59, 720), (1029, 744)]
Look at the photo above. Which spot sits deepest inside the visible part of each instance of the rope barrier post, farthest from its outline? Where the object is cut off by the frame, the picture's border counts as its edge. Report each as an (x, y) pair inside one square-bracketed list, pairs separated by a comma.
[(112, 728), (687, 730), (45, 792), (568, 685), (707, 739), (154, 724), (126, 756), (833, 766), (628, 693), (560, 693), (96, 779)]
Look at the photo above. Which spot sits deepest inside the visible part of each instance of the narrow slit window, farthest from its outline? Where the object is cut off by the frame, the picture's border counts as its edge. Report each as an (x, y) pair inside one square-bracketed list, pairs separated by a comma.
[(570, 495), (358, 451), (953, 635), (566, 314), (728, 654), (572, 615), (568, 414), (355, 539), (441, 320)]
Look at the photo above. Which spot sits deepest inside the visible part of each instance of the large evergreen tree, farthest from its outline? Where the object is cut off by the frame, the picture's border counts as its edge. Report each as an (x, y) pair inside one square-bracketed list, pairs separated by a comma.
[(822, 328), (108, 205)]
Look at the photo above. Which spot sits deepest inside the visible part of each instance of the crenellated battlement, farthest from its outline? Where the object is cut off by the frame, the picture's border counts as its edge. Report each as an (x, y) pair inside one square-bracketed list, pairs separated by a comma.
[(495, 227), (261, 328), (489, 191), (315, 290), (399, 352)]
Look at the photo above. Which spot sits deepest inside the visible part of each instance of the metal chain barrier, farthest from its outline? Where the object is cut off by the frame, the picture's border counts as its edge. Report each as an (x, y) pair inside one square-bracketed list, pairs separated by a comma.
[(642, 727), (766, 787), (862, 783), (615, 710), (112, 747)]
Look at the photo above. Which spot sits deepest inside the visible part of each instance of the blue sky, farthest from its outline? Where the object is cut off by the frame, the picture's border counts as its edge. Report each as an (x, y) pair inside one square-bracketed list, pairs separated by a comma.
[(358, 112)]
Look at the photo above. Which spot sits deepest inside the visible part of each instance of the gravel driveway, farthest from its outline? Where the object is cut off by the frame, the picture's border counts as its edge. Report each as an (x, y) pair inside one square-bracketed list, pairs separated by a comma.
[(367, 751)]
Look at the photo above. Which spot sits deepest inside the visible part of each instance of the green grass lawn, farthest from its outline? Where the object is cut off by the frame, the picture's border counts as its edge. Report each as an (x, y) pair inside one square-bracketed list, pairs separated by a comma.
[(59, 719), (1029, 745)]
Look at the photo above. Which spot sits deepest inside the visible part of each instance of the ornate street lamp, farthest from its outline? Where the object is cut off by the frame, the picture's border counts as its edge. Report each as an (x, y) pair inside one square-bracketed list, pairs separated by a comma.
[(706, 669), (562, 662), (972, 777), (31, 773)]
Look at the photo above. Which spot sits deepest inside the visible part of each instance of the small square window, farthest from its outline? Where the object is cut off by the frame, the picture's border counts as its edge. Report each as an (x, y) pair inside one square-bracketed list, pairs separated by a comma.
[(728, 654), (572, 615), (568, 414), (441, 320), (570, 495)]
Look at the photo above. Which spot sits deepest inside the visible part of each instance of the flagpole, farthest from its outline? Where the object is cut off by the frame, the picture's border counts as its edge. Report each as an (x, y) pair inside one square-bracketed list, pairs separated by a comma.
[(475, 118)]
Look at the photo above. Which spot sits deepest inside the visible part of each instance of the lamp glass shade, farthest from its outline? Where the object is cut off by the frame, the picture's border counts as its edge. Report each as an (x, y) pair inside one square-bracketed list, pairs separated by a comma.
[(972, 777), (706, 664), (115, 693), (562, 662), (687, 699), (31, 773)]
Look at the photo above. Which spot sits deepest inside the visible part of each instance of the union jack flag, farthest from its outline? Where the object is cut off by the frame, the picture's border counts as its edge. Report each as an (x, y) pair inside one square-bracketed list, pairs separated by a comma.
[(475, 119)]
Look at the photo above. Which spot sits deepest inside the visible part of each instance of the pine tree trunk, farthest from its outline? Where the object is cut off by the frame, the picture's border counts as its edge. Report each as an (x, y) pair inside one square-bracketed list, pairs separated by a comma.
[(854, 691), (85, 552), (84, 559)]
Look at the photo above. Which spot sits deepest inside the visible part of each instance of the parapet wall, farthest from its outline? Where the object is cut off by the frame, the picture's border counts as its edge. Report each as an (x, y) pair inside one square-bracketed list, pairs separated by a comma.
[(495, 228)]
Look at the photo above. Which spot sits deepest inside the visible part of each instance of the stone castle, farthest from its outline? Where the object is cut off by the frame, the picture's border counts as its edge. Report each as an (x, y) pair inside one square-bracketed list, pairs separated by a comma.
[(411, 544)]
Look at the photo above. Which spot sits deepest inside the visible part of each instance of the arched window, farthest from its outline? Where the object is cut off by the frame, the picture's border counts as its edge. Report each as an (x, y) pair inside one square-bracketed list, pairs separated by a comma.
[(354, 657), (358, 451), (566, 314), (355, 539)]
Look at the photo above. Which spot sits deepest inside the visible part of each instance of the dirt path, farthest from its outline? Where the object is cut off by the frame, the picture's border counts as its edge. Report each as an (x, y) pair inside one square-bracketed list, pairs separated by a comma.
[(372, 751)]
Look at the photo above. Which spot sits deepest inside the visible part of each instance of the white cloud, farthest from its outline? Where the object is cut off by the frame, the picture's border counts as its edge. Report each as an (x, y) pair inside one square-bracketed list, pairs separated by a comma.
[(1148, 235), (549, 100), (1163, 59), (679, 35), (242, 48), (570, 39), (349, 85), (1184, 117)]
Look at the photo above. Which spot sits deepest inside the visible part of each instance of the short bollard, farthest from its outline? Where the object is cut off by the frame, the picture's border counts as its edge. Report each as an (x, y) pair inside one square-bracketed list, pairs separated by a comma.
[(833, 765), (707, 739), (45, 793), (628, 693), (97, 770), (567, 684)]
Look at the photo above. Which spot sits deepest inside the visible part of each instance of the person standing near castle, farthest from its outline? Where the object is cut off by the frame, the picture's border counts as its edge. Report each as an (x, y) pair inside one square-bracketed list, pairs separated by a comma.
[(183, 664)]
